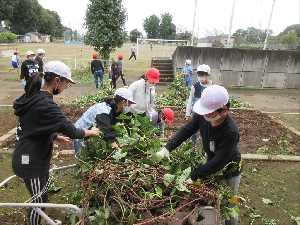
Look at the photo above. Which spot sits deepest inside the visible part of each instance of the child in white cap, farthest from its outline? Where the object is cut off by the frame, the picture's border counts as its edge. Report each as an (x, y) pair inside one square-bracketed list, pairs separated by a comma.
[(40, 119), (188, 73), (28, 67), (105, 114), (220, 136), (203, 81)]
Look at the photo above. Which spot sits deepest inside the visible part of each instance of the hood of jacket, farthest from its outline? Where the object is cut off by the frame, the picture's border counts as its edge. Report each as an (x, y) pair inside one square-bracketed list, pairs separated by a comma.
[(24, 103)]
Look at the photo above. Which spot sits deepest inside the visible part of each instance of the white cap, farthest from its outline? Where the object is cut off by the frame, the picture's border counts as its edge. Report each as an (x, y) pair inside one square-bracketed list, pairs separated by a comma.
[(213, 97), (60, 69), (40, 51), (203, 68), (188, 61), (30, 53), (125, 93)]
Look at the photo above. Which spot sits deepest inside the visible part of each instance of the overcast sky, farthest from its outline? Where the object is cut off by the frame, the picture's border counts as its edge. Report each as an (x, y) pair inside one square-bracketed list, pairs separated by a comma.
[(210, 14)]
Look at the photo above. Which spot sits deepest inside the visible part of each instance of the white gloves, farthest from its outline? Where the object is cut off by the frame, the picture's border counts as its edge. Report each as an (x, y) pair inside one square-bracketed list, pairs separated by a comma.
[(23, 82), (109, 80), (164, 153), (189, 181)]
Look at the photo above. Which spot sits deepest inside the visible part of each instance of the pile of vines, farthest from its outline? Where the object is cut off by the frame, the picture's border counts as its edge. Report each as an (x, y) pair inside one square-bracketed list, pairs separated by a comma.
[(137, 186)]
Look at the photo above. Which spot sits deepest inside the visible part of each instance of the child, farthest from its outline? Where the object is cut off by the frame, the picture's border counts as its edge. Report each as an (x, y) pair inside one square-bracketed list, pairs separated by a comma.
[(15, 61), (159, 116), (187, 73), (114, 74), (203, 74), (120, 66), (98, 70)]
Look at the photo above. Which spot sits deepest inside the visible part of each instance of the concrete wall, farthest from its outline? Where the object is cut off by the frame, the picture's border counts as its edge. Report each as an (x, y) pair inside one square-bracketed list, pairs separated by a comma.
[(244, 68)]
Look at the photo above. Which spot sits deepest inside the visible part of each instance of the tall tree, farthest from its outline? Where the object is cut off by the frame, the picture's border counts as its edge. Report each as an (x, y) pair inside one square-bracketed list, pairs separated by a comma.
[(167, 30), (134, 34), (151, 26), (295, 28), (105, 24)]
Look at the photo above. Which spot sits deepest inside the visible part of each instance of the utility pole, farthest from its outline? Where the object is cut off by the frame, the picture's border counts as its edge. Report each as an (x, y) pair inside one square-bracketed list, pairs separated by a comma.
[(192, 38), (267, 35), (230, 26)]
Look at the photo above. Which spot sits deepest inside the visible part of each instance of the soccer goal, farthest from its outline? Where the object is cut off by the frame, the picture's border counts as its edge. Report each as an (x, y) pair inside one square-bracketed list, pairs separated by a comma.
[(162, 42)]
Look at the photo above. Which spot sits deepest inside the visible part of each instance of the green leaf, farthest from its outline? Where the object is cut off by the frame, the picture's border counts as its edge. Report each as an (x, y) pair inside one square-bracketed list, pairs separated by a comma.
[(158, 191), (168, 178)]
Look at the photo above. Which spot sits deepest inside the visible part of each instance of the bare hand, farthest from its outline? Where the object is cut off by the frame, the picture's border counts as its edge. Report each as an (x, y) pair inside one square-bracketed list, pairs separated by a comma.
[(63, 139), (187, 119)]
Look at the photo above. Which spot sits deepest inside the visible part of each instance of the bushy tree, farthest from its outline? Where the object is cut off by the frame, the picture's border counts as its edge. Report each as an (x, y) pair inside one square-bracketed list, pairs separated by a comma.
[(7, 37), (290, 38), (151, 26), (105, 24), (167, 30), (134, 34)]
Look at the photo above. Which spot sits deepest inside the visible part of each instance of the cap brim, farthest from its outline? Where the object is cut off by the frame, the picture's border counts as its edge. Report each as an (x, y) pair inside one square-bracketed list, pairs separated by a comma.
[(153, 80), (201, 110), (71, 81), (169, 121), (132, 102)]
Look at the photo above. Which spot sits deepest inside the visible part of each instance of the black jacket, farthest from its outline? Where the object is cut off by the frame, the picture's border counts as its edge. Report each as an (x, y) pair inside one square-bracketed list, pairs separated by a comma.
[(224, 137), (96, 65), (28, 68), (40, 63), (39, 119)]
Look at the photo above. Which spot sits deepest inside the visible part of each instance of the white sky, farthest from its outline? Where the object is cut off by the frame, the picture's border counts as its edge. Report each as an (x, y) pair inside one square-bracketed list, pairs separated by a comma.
[(210, 14)]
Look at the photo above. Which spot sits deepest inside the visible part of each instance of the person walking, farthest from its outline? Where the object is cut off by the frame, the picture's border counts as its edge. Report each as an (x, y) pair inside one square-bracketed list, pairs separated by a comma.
[(120, 67), (114, 74), (220, 136), (28, 67), (105, 114), (158, 118), (143, 91), (40, 119), (203, 81), (133, 48), (98, 70), (15, 62), (188, 73), (40, 55)]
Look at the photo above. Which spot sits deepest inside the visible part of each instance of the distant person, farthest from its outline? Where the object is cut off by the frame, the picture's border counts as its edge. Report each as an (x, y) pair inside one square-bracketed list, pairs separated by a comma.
[(28, 67), (41, 54), (114, 74), (143, 91), (133, 49), (151, 46), (40, 121), (158, 118), (105, 114), (120, 67), (203, 81), (15, 62), (188, 73), (98, 70)]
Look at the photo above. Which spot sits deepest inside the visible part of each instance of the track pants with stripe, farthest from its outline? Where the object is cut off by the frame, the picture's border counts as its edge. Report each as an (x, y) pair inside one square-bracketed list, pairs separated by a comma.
[(35, 186)]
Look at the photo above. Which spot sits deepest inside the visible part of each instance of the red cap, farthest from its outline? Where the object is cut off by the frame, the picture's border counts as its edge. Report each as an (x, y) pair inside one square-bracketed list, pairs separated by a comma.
[(95, 56), (16, 53), (169, 115), (153, 75), (120, 56)]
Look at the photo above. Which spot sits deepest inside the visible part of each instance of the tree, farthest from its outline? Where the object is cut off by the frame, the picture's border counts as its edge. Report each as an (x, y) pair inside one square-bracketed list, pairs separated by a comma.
[(292, 29), (105, 24), (167, 30), (134, 34), (7, 37), (290, 38), (214, 36), (151, 26)]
